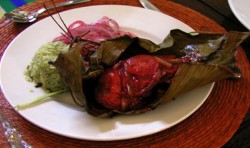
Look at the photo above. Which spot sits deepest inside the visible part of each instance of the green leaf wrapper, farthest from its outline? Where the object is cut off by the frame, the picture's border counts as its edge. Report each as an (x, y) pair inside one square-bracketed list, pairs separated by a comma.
[(216, 55)]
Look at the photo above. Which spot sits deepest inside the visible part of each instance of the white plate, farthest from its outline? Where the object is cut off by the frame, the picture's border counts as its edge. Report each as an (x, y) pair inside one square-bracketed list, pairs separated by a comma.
[(241, 10), (68, 120)]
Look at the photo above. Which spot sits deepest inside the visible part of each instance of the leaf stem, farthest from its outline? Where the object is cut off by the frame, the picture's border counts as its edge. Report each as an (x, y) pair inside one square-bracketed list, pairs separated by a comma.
[(27, 104)]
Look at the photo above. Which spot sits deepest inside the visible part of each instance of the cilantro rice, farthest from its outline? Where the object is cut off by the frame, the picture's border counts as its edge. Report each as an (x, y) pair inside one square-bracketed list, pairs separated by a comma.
[(41, 72)]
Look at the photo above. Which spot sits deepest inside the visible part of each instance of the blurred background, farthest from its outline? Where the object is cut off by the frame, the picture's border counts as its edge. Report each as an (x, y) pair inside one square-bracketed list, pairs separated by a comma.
[(9, 5)]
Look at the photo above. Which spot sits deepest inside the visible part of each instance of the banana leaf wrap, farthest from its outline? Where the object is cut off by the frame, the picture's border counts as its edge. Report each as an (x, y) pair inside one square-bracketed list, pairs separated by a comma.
[(215, 61)]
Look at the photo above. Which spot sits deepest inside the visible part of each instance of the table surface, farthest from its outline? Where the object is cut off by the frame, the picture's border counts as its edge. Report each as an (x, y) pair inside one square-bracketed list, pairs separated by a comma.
[(219, 18)]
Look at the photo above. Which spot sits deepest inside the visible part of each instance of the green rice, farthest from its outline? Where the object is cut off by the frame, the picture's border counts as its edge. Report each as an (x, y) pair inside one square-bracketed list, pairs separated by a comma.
[(41, 72)]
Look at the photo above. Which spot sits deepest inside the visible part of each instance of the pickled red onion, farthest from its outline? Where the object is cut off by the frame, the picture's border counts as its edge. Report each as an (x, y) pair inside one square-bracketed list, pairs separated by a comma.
[(102, 30)]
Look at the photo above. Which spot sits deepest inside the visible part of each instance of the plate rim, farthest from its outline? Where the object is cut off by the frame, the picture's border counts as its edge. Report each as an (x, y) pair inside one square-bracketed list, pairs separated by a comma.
[(237, 15)]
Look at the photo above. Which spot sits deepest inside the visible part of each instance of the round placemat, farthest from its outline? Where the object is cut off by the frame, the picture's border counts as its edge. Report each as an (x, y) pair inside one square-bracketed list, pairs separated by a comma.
[(212, 125)]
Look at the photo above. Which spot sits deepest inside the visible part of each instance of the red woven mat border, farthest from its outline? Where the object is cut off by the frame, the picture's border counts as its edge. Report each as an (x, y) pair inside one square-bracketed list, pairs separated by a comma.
[(212, 125)]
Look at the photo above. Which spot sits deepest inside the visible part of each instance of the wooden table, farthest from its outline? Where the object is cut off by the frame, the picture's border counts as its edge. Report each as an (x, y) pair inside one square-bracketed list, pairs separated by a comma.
[(215, 122)]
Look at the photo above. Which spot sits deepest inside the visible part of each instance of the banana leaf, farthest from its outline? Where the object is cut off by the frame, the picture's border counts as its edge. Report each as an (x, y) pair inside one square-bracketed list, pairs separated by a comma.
[(218, 65), (214, 61), (70, 67)]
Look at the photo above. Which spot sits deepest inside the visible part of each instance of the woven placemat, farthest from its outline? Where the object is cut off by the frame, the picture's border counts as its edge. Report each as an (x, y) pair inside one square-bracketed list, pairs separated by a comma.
[(212, 125)]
